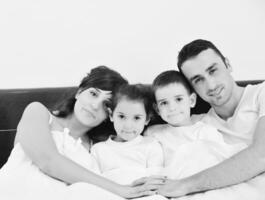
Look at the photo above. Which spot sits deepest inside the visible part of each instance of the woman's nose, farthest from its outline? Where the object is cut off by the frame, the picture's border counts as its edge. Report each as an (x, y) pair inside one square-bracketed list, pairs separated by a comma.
[(96, 104)]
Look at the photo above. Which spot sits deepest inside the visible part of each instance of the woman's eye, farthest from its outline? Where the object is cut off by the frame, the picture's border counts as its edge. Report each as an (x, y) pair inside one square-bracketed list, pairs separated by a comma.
[(93, 93)]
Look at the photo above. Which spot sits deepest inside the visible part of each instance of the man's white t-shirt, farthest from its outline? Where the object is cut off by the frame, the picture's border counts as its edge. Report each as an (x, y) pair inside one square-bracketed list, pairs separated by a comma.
[(241, 126)]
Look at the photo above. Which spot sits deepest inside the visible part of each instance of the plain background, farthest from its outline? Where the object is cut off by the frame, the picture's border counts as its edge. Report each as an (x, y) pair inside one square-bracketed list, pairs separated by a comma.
[(55, 43)]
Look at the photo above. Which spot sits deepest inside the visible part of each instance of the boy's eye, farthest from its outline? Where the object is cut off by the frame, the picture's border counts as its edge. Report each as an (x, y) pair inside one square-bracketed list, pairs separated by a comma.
[(137, 118), (121, 116), (178, 99)]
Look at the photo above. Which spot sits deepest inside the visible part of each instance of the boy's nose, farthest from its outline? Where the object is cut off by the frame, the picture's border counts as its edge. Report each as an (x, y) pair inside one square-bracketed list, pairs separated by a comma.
[(172, 106)]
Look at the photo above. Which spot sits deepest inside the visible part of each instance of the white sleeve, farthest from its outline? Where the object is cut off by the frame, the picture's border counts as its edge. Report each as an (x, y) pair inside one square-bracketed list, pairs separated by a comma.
[(261, 100), (155, 157), (95, 152)]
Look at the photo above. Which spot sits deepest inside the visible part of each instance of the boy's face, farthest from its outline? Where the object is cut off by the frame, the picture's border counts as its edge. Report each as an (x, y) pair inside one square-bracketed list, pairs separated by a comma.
[(129, 119), (174, 104), (210, 77)]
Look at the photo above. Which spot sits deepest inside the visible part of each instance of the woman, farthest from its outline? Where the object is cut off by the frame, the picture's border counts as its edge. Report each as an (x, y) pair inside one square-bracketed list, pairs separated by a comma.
[(51, 150)]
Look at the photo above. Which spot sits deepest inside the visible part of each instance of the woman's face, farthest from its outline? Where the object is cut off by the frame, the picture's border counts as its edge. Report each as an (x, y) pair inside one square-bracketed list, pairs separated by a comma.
[(89, 108)]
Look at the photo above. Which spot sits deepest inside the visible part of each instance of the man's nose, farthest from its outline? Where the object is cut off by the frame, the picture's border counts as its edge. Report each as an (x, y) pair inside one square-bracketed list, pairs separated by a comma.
[(211, 83)]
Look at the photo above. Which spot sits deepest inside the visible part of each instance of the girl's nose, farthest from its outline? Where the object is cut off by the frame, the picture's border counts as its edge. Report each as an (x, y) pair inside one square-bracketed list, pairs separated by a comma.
[(128, 124)]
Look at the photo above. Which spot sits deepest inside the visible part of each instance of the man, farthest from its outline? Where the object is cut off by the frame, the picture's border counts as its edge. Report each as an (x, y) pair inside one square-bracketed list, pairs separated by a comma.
[(238, 113)]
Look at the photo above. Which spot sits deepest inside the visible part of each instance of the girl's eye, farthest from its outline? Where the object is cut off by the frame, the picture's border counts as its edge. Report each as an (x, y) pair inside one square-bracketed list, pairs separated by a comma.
[(163, 103)]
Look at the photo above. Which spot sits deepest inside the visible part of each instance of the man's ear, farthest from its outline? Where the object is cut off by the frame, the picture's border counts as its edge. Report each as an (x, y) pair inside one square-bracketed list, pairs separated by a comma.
[(228, 65), (109, 111), (193, 99)]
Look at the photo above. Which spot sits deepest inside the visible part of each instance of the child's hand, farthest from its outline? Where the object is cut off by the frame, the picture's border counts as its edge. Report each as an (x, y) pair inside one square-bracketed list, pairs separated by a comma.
[(151, 180)]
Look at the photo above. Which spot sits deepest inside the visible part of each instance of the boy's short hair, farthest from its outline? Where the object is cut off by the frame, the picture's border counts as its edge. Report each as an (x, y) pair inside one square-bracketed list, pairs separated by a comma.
[(168, 77), (194, 48)]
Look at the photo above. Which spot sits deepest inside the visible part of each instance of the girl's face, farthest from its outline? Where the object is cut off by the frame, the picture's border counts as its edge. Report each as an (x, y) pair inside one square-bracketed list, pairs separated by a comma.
[(174, 104), (89, 108), (129, 118)]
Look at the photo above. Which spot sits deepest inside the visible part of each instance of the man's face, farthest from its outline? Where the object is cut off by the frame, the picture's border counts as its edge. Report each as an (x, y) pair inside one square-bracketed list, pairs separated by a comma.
[(210, 77)]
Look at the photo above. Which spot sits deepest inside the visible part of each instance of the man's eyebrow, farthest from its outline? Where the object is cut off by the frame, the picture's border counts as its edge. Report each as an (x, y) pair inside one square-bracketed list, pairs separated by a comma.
[(207, 70)]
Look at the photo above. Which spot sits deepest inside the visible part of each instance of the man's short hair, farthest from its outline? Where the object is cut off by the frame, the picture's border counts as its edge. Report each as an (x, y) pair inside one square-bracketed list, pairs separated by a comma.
[(195, 47)]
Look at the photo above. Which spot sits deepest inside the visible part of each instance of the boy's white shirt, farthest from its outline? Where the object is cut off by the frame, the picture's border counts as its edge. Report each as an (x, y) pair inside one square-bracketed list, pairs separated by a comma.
[(190, 149)]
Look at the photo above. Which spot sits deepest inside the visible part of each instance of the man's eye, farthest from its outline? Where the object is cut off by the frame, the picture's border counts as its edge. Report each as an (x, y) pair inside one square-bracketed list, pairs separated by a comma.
[(197, 80), (212, 71)]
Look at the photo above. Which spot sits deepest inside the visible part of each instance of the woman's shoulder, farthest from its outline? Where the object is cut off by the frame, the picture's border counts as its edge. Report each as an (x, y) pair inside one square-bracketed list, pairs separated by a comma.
[(36, 107), (36, 111)]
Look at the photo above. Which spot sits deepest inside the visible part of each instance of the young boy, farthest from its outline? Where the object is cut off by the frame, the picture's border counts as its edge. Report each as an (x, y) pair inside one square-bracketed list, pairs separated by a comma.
[(188, 147)]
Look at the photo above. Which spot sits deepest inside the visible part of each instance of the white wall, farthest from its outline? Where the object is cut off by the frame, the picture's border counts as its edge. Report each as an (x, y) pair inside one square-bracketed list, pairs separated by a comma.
[(55, 42)]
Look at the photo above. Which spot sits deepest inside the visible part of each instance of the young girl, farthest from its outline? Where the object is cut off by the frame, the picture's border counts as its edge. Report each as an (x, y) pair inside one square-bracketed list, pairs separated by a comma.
[(128, 155), (189, 147), (51, 151)]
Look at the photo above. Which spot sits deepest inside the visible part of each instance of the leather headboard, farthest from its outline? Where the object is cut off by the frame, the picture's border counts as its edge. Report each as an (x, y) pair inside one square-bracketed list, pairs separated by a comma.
[(14, 101)]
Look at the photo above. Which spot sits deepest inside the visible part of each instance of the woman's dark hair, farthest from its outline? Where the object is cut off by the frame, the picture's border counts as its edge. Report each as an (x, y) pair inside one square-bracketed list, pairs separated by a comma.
[(135, 92), (100, 77)]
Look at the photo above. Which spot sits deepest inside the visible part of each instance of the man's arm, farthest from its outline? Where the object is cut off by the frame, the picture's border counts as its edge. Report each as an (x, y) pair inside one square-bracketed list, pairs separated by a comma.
[(241, 167)]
